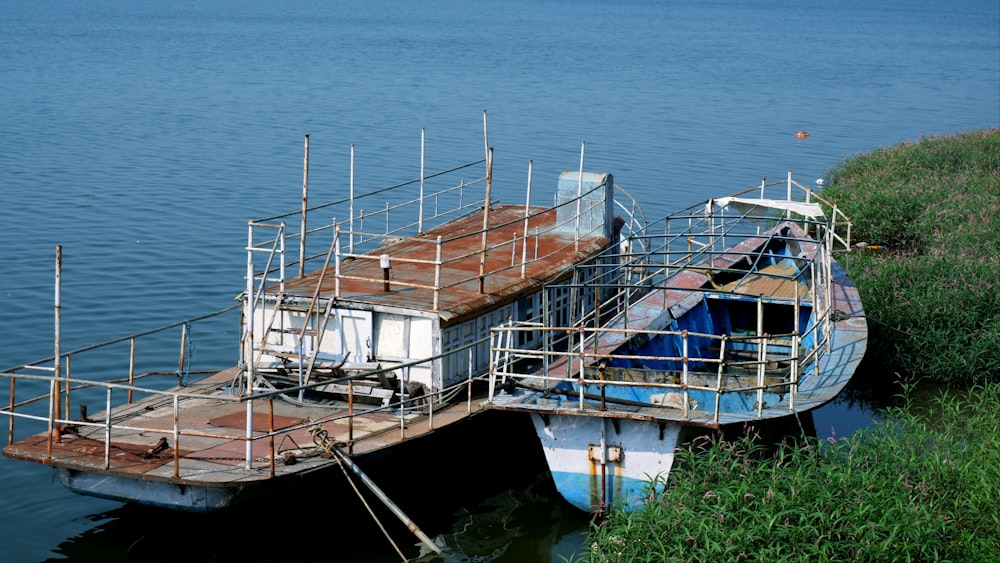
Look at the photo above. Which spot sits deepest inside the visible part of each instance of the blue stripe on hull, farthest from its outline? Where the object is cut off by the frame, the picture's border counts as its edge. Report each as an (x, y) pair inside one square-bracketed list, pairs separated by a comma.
[(599, 463), (583, 491)]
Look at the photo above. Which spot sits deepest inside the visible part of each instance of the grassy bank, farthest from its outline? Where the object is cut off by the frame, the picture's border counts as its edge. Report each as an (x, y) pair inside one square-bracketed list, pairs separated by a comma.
[(931, 288), (905, 490), (924, 484)]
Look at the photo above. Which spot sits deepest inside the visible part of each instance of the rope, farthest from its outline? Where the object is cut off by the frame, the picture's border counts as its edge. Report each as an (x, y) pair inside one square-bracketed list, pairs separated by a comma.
[(372, 513), (322, 440)]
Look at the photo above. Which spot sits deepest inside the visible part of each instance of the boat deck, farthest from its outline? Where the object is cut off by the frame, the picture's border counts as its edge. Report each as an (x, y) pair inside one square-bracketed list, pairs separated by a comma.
[(652, 313), (414, 275), (212, 447)]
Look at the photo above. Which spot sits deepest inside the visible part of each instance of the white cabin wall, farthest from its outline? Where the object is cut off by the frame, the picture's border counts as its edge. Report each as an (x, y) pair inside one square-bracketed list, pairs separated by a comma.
[(348, 332), (402, 339), (456, 367)]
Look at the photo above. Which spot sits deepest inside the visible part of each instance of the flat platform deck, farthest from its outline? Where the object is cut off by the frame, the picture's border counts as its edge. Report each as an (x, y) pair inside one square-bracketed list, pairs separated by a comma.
[(211, 449), (413, 273)]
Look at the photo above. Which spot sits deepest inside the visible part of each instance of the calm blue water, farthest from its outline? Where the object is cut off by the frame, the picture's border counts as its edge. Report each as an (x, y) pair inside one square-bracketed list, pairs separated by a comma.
[(142, 135)]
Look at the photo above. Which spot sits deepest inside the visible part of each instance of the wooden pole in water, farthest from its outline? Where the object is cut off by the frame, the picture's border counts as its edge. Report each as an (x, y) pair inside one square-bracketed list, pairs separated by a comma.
[(349, 463)]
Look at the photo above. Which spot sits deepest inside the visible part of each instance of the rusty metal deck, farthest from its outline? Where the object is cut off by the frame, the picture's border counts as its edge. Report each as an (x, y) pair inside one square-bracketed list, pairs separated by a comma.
[(548, 254), (211, 451)]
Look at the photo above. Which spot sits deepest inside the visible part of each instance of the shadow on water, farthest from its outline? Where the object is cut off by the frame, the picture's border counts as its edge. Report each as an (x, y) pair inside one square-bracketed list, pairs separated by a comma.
[(484, 495), (861, 404)]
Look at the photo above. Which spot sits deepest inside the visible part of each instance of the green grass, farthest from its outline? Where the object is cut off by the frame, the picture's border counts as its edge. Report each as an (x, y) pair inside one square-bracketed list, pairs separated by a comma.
[(932, 292), (918, 486)]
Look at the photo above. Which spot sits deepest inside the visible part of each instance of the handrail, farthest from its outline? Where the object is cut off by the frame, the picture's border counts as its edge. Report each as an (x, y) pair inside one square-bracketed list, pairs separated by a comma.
[(437, 287), (561, 361), (15, 410), (688, 241)]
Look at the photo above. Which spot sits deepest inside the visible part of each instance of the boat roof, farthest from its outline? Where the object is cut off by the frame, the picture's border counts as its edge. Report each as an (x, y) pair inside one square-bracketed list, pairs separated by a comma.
[(550, 255)]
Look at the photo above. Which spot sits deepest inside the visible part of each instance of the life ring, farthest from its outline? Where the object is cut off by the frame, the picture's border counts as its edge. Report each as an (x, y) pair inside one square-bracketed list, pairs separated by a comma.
[(802, 134)]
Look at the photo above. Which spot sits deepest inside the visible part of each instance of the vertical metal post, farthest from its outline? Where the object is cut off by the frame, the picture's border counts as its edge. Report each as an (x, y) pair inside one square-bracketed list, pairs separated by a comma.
[(10, 419), (582, 375), (181, 361), (350, 415), (350, 219), (788, 192), (437, 273), (579, 195), (761, 351), (281, 255), (249, 433), (270, 430), (305, 207), (796, 339), (684, 372), (486, 219), (249, 309), (107, 429), (131, 368), (468, 388), (250, 360), (527, 211), (420, 216), (718, 381), (546, 322), (336, 262), (177, 436), (54, 405), (402, 406), (486, 143)]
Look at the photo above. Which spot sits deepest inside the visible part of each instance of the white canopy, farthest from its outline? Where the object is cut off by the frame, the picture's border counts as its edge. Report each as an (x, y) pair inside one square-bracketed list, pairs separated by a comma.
[(757, 206)]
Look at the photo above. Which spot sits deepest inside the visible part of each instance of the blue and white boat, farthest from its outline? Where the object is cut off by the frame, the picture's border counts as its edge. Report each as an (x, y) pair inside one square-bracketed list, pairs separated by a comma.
[(729, 312)]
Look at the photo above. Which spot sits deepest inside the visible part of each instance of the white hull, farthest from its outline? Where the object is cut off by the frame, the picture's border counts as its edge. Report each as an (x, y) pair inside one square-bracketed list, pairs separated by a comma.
[(191, 498), (599, 463)]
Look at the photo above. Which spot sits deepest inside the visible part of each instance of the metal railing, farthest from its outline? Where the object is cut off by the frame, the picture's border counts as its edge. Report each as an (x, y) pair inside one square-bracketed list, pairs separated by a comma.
[(52, 392), (702, 239)]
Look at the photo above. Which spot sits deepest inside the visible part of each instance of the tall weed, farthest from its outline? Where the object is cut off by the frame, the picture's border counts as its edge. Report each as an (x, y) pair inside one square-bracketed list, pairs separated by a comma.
[(933, 293), (918, 486)]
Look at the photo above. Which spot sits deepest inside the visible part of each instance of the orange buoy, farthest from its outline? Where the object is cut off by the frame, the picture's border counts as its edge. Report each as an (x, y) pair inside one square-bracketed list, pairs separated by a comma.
[(802, 134)]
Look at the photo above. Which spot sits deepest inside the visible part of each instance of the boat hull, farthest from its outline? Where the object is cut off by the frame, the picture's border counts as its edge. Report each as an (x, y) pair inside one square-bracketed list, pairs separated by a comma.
[(160, 494), (598, 463)]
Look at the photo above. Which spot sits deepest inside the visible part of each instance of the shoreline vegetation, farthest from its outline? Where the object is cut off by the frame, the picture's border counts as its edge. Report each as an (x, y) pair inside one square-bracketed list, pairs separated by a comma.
[(923, 483)]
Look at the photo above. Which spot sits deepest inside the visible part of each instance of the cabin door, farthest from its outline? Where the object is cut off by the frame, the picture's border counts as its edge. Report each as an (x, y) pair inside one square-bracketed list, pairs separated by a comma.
[(349, 332), (401, 338)]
